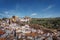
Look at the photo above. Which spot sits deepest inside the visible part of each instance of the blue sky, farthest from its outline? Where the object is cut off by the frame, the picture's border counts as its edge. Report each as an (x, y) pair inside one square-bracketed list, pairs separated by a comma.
[(32, 8)]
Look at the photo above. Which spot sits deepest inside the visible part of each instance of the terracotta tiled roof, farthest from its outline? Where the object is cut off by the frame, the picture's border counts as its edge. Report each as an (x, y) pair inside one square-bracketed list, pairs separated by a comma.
[(2, 38), (31, 34), (2, 32)]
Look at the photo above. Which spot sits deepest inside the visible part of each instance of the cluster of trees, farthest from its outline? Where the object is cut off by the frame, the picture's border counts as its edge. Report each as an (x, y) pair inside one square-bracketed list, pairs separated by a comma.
[(47, 22)]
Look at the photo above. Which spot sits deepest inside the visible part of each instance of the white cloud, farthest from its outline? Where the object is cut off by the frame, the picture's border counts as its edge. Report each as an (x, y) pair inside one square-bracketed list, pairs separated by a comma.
[(1, 14), (6, 12), (33, 14), (49, 7)]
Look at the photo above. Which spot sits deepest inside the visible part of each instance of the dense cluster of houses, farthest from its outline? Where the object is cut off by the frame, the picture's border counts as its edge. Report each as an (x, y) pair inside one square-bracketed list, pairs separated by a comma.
[(11, 29)]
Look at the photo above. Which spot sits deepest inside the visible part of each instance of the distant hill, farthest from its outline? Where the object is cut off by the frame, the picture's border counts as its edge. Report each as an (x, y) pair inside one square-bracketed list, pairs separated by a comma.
[(47, 22)]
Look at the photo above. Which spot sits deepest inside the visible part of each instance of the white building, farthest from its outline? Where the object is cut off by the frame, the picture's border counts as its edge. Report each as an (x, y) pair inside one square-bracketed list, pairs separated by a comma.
[(26, 29), (24, 20)]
